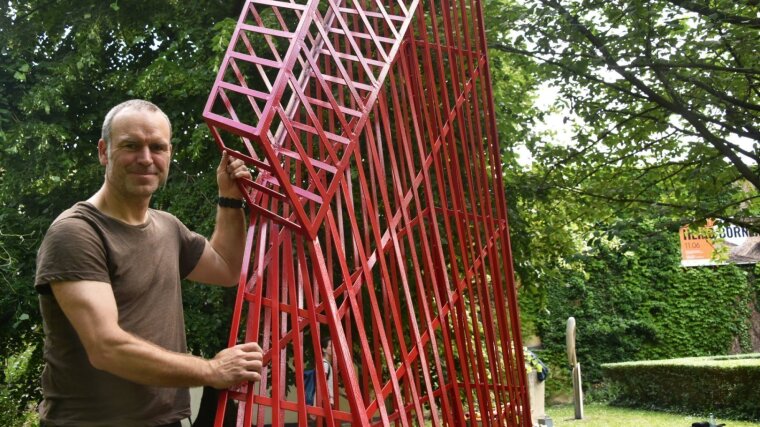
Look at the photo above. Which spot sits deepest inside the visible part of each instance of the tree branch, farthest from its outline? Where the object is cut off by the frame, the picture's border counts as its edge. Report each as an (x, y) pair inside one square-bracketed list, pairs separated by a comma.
[(719, 94), (624, 200), (748, 224), (717, 15), (657, 64)]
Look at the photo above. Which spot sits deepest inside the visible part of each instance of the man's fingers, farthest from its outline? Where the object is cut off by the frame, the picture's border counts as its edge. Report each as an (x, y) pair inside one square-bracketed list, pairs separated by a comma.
[(230, 164), (236, 168), (252, 354), (242, 362), (234, 164), (223, 162), (239, 170), (253, 364), (250, 346)]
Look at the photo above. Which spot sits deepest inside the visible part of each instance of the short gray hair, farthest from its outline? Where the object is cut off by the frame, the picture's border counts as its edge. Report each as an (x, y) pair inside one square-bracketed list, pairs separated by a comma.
[(135, 104)]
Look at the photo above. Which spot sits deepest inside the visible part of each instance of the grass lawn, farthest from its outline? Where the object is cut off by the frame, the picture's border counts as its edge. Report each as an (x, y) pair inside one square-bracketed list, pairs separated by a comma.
[(596, 415)]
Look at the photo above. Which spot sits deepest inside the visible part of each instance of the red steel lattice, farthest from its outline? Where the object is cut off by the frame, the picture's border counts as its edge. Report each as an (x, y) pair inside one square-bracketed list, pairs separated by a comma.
[(377, 214)]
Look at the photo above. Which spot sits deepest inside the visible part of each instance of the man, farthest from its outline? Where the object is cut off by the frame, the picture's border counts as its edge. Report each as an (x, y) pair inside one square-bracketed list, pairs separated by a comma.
[(108, 275), (327, 358)]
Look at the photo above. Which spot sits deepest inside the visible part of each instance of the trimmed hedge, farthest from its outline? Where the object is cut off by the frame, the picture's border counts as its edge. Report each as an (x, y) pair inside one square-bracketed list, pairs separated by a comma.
[(725, 385)]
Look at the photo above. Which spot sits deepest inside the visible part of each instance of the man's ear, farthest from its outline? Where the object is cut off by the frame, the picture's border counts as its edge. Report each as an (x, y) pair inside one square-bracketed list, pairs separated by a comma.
[(103, 152)]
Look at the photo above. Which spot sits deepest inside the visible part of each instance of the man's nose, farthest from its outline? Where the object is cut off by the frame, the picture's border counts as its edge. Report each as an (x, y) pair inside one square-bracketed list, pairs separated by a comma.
[(144, 156)]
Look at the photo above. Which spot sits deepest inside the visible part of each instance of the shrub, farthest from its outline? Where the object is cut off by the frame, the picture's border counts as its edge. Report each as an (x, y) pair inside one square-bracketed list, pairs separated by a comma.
[(726, 385), (21, 377)]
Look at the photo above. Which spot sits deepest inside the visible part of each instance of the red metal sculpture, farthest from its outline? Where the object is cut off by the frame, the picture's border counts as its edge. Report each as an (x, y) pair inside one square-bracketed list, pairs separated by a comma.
[(377, 214)]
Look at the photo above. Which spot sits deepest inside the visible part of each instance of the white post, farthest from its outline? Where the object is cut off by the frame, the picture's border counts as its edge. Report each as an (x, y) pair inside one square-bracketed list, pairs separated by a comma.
[(571, 357)]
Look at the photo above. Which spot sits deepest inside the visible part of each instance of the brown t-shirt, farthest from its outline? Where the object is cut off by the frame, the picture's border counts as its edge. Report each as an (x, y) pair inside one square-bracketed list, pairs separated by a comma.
[(144, 265)]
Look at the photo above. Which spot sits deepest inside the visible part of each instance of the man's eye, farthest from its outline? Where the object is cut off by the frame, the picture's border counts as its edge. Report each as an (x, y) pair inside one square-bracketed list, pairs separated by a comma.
[(159, 148)]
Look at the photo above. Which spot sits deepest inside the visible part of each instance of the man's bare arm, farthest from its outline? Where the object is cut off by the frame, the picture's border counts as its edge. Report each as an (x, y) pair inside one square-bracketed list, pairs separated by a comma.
[(223, 256), (91, 309)]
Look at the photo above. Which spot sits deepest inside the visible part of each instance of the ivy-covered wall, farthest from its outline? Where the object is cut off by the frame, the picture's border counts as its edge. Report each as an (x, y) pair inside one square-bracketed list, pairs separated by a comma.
[(633, 301)]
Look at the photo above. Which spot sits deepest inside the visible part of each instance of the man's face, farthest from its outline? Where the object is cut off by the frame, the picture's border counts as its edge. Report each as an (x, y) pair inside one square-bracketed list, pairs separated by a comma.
[(137, 161)]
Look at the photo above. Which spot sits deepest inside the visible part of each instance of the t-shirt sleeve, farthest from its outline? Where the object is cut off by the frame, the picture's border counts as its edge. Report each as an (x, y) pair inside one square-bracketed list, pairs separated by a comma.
[(192, 245), (70, 250)]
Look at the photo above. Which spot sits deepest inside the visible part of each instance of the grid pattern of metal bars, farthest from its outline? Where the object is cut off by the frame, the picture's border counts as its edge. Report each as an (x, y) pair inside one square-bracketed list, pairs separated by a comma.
[(377, 214)]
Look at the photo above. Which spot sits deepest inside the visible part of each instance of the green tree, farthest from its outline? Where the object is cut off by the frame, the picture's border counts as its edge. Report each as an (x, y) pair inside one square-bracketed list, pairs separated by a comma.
[(62, 66), (664, 97), (543, 232)]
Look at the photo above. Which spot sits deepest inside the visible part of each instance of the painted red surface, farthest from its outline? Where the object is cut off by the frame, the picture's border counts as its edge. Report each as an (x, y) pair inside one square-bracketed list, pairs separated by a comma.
[(377, 214)]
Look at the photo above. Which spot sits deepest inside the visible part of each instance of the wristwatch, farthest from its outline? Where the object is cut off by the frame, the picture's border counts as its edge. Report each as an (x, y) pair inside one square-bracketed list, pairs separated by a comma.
[(227, 202)]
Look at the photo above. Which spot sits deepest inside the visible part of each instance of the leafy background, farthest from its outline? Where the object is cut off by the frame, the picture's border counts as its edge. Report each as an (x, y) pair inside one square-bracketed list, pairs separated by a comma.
[(633, 301), (655, 94)]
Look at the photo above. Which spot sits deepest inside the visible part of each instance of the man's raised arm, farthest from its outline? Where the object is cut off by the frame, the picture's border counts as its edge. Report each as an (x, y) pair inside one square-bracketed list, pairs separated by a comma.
[(223, 256)]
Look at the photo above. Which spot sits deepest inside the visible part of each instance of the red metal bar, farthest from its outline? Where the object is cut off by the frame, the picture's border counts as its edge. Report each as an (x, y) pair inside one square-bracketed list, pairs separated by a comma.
[(377, 214)]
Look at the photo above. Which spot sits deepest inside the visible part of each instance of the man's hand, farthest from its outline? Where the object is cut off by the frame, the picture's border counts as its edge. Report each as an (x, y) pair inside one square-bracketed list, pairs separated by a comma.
[(236, 364), (228, 171)]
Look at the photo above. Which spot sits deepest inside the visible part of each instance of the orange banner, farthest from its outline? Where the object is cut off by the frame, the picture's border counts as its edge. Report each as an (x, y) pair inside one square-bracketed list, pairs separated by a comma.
[(696, 248), (717, 243)]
